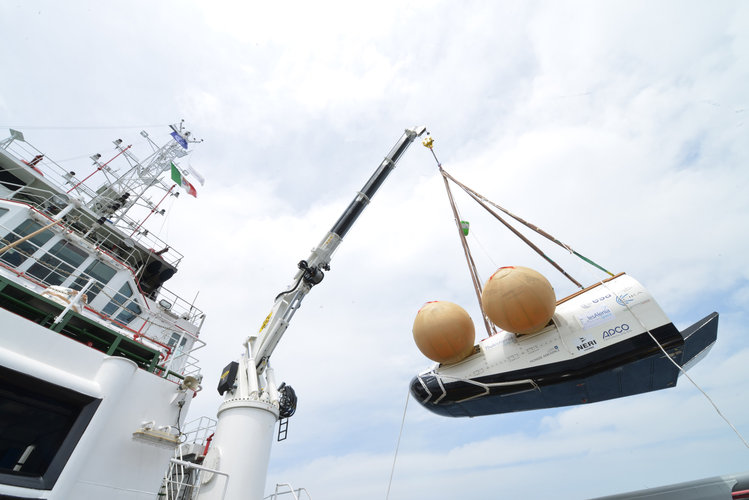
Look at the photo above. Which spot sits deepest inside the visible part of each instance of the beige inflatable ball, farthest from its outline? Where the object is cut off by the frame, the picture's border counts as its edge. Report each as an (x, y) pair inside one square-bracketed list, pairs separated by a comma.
[(518, 299), (444, 332)]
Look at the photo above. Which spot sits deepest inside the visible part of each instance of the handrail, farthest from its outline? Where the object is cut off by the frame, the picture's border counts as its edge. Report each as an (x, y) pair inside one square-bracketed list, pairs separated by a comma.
[(202, 468), (42, 201), (135, 335), (291, 491), (194, 313)]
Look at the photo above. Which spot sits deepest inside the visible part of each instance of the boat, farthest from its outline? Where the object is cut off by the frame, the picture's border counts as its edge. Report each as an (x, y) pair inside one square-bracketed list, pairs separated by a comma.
[(96, 353)]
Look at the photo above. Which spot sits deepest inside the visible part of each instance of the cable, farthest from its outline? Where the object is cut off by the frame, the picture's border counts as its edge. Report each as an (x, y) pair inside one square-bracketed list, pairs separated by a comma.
[(483, 249), (397, 445), (82, 127), (179, 416), (477, 285), (679, 367), (296, 285), (665, 353), (481, 200)]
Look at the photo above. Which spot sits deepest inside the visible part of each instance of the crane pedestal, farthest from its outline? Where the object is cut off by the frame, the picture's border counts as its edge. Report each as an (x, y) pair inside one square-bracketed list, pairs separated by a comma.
[(241, 449)]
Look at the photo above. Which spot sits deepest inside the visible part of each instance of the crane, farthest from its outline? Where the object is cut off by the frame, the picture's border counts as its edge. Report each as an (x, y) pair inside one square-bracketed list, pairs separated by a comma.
[(253, 401)]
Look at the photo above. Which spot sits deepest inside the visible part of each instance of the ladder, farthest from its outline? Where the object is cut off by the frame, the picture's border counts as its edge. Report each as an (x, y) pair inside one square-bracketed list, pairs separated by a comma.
[(283, 428)]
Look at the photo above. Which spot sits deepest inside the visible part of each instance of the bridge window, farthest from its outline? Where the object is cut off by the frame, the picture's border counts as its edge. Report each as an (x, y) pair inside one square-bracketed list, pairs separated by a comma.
[(124, 305), (10, 181), (100, 272), (58, 264), (18, 255)]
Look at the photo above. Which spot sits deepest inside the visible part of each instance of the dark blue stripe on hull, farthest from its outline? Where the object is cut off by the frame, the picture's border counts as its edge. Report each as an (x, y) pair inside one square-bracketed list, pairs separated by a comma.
[(630, 367)]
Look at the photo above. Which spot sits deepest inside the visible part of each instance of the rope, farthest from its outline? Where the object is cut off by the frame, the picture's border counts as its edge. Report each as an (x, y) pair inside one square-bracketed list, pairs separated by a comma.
[(469, 260), (487, 255), (397, 445), (490, 330), (680, 368), (532, 245), (429, 143), (480, 198)]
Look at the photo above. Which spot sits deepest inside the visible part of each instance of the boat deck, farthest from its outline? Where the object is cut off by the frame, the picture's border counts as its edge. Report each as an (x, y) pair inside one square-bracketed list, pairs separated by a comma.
[(18, 300)]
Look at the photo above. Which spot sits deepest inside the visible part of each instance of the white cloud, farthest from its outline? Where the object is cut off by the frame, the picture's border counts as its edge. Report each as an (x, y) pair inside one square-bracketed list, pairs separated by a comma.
[(618, 128)]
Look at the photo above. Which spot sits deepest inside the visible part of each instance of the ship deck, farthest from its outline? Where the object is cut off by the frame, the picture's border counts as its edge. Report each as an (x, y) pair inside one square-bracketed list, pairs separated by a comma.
[(40, 310)]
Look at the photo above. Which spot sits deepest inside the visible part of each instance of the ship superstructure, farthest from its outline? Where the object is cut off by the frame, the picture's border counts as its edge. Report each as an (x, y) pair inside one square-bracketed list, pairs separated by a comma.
[(96, 354)]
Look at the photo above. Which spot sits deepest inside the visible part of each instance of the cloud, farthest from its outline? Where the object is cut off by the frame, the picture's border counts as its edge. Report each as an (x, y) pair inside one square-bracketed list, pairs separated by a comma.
[(618, 128)]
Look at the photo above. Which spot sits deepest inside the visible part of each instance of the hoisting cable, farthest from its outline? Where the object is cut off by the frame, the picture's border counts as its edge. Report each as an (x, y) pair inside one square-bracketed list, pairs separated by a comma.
[(527, 241), (490, 330), (397, 445), (428, 142), (527, 224)]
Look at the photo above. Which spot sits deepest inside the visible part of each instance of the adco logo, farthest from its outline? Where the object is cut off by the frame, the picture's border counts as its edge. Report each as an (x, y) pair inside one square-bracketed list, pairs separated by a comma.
[(615, 331)]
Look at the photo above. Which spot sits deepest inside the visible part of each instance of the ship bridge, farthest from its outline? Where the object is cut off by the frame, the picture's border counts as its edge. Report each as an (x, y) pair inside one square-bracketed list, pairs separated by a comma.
[(81, 261)]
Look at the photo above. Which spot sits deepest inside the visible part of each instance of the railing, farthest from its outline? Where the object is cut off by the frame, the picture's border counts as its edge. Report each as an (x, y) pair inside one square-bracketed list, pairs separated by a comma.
[(182, 365), (291, 491), (199, 431), (184, 479), (179, 307), (151, 328), (52, 201)]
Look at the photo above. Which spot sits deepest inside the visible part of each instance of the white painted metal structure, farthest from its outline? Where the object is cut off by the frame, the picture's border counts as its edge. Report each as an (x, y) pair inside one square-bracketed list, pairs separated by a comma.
[(95, 353), (108, 461)]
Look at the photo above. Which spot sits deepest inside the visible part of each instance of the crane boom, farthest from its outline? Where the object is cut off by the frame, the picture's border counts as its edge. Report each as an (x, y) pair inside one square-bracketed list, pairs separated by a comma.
[(311, 270), (253, 402)]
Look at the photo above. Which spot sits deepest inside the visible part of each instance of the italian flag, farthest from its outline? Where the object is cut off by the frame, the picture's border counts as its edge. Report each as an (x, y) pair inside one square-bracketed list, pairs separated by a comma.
[(181, 181)]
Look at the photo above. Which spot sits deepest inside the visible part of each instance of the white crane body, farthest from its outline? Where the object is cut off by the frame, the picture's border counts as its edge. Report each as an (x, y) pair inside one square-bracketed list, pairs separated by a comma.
[(252, 404)]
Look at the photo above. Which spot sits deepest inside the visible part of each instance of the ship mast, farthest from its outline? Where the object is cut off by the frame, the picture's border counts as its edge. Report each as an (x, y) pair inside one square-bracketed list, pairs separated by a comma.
[(124, 190)]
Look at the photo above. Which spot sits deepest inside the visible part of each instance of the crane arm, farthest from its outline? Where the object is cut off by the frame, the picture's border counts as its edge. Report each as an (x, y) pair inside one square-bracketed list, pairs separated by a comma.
[(311, 271)]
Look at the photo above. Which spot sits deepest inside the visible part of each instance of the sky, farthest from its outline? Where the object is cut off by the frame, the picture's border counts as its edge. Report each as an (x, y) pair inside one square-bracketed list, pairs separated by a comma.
[(619, 127)]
